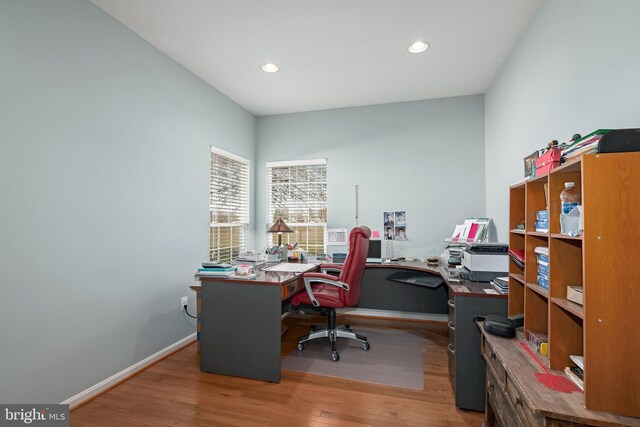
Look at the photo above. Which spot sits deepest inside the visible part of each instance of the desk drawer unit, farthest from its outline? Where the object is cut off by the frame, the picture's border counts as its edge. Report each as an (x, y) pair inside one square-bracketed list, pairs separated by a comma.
[(466, 366)]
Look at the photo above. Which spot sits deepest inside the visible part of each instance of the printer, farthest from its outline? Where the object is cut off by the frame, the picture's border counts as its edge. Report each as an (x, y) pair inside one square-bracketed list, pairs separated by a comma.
[(482, 262)]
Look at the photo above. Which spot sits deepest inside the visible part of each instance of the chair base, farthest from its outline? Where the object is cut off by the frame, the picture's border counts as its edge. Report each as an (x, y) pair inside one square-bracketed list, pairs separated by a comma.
[(333, 333)]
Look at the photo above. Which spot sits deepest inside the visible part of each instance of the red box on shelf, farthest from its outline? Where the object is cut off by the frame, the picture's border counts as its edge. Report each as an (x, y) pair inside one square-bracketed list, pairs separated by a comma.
[(548, 161)]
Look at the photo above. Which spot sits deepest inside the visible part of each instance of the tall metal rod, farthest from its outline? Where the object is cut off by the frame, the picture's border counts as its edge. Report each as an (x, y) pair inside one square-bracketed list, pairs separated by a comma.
[(356, 205)]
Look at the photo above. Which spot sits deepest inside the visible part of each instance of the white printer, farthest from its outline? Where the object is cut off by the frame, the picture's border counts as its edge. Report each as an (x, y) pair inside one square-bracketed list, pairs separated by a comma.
[(483, 262)]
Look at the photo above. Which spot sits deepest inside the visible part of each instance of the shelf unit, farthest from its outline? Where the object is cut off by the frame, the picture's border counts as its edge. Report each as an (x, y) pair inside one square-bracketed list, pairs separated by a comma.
[(603, 260)]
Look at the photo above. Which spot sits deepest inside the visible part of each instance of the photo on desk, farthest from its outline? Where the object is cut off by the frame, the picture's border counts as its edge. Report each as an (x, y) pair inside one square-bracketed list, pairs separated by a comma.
[(401, 233), (401, 218)]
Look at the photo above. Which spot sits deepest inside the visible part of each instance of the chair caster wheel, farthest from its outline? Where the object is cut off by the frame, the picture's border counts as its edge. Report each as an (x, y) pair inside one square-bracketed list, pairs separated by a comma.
[(335, 356), (300, 346), (366, 346)]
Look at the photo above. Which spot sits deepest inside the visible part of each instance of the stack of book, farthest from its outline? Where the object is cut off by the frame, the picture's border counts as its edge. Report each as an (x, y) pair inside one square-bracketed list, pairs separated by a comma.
[(214, 269), (576, 373), (501, 284), (542, 253), (542, 221), (587, 144), (517, 256)]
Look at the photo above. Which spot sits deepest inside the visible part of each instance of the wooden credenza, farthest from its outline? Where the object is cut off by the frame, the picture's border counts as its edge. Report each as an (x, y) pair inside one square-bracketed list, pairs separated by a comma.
[(516, 398)]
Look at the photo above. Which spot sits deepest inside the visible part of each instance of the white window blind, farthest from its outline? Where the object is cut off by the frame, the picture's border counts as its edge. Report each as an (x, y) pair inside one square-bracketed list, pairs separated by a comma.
[(229, 206), (298, 195)]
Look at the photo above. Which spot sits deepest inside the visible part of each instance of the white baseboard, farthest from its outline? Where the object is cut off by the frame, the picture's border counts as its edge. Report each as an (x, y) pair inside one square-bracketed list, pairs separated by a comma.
[(392, 314), (121, 376)]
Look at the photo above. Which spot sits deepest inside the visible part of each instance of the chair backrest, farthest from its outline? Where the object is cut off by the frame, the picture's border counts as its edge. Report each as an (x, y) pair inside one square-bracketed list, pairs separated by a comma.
[(353, 267)]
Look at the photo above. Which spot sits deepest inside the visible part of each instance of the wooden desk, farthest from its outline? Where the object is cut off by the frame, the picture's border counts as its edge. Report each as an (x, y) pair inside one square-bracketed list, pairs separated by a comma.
[(240, 319), (515, 397), (240, 323)]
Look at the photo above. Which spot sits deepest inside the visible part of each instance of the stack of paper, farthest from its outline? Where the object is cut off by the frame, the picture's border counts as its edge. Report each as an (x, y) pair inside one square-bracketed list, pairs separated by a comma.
[(214, 269), (471, 230), (587, 144)]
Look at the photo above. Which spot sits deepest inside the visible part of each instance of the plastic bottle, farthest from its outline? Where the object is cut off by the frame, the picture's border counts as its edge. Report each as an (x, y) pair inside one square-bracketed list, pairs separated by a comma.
[(569, 198)]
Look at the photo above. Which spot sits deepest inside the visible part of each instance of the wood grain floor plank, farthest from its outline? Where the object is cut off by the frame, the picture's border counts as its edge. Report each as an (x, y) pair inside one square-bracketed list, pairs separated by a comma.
[(173, 392)]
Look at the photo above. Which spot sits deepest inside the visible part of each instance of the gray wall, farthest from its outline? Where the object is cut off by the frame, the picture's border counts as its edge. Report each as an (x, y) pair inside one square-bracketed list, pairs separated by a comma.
[(575, 69), (104, 180), (425, 157)]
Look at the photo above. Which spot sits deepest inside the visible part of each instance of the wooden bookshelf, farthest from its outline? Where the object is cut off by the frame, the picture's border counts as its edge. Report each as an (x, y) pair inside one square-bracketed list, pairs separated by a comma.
[(603, 260)]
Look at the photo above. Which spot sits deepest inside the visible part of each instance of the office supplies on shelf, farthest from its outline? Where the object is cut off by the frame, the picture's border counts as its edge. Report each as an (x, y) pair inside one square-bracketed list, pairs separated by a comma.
[(542, 215), (517, 256), (548, 161), (578, 360), (574, 377)]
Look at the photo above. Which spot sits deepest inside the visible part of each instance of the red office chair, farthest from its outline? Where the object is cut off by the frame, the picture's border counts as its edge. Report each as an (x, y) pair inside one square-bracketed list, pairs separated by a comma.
[(330, 292)]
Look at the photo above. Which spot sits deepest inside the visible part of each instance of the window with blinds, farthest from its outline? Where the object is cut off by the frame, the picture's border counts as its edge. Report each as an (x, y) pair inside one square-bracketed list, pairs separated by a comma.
[(298, 195), (228, 206)]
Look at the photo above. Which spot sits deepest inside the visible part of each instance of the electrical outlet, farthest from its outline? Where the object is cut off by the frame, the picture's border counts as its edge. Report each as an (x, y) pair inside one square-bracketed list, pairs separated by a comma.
[(183, 302)]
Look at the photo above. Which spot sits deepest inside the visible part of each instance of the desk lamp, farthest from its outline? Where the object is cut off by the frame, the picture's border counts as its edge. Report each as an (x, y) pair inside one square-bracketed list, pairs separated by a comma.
[(279, 227)]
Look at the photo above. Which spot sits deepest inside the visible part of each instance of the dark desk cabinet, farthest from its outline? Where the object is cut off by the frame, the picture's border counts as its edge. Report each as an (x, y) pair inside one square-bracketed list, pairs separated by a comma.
[(466, 366)]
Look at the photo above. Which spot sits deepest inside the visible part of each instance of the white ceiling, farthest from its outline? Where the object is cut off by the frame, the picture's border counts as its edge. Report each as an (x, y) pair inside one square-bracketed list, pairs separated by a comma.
[(332, 53)]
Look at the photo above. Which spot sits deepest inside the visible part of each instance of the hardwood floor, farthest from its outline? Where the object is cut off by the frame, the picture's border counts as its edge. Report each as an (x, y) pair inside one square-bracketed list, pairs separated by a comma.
[(174, 392)]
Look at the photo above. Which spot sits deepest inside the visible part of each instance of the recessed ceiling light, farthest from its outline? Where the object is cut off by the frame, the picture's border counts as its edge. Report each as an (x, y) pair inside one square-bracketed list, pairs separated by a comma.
[(418, 46), (269, 67)]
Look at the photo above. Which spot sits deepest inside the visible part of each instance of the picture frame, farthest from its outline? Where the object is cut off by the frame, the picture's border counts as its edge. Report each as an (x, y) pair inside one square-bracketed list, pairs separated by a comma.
[(336, 236)]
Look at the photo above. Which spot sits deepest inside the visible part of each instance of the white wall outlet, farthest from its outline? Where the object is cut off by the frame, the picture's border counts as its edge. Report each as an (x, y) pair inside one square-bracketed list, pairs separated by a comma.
[(183, 302)]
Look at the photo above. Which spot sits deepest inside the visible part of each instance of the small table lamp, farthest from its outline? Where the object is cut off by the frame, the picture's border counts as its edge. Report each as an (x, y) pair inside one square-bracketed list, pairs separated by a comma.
[(279, 227)]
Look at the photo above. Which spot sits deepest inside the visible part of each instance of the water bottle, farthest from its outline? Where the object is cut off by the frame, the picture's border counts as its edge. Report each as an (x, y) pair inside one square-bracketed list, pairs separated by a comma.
[(569, 198)]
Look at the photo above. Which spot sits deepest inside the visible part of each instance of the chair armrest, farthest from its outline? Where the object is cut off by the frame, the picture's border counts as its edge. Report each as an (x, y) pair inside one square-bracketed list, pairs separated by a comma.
[(310, 278), (335, 268)]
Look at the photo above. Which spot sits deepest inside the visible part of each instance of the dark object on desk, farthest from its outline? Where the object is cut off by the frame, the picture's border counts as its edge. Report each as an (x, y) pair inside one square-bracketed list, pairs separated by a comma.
[(396, 259), (339, 258), (480, 276), (518, 320), (620, 141), (329, 292), (488, 248), (433, 260), (500, 326), (416, 278), (374, 256)]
